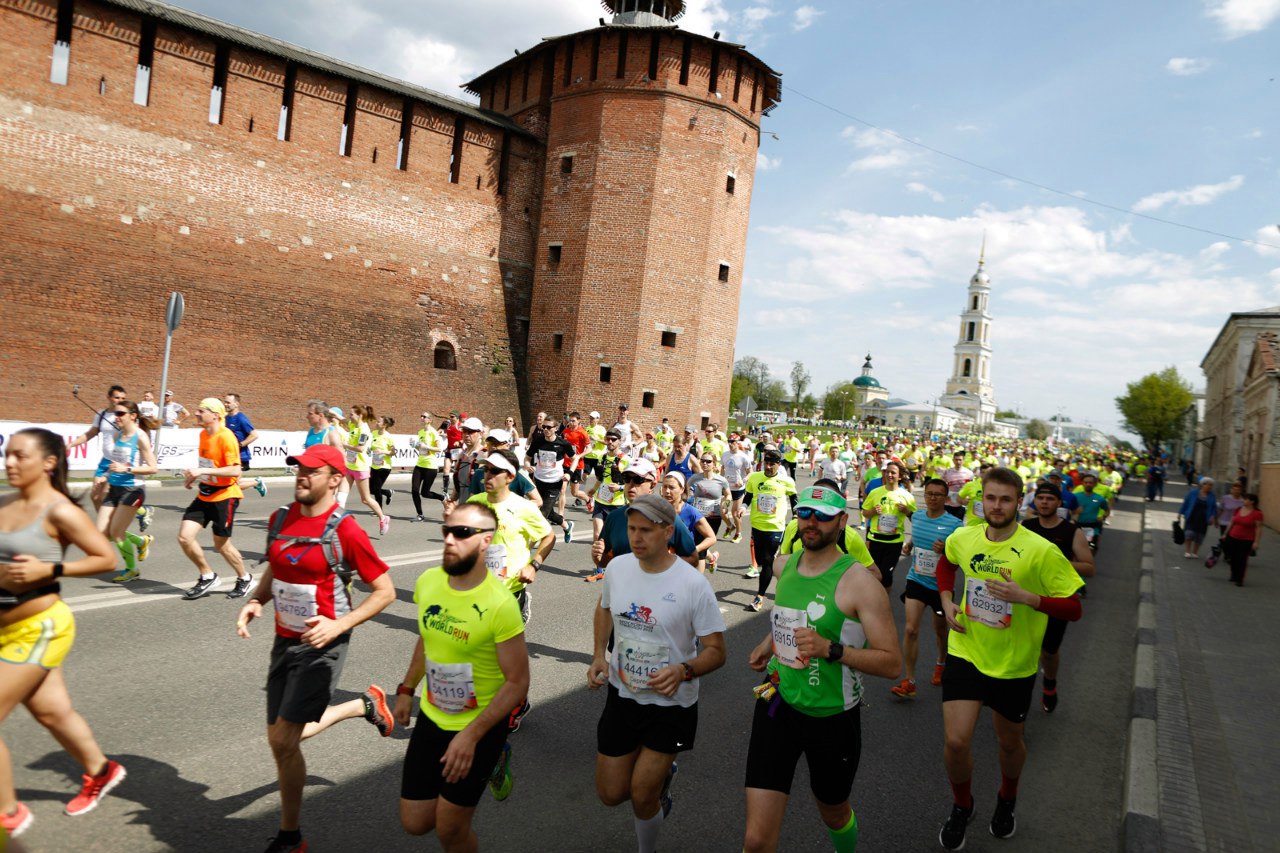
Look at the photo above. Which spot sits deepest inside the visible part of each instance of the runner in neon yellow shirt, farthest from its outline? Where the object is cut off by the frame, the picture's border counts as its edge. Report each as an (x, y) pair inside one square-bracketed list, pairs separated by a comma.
[(887, 507), (769, 492)]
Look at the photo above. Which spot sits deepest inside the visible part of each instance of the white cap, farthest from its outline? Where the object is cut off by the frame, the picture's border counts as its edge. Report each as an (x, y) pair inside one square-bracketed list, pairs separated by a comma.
[(499, 435), (496, 460), (593, 414), (644, 468), (473, 424)]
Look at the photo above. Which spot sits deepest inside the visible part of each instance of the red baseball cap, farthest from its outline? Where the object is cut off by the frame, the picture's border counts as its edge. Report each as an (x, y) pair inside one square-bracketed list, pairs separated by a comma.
[(320, 454)]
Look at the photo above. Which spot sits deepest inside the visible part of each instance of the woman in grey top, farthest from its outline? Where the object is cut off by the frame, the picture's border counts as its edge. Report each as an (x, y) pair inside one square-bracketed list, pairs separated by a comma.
[(37, 522)]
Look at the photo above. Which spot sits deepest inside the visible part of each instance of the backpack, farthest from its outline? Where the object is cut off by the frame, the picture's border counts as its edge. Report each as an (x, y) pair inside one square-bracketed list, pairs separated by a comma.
[(328, 540)]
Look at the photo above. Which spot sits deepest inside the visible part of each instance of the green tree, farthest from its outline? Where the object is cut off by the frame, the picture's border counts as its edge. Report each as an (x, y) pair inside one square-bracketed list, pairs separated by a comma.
[(837, 403), (1006, 414), (755, 371), (799, 382), (1038, 429), (1153, 407), (809, 405), (773, 395)]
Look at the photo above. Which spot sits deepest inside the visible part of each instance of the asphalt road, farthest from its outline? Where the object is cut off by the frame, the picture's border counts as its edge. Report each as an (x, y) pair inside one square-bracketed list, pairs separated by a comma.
[(172, 693)]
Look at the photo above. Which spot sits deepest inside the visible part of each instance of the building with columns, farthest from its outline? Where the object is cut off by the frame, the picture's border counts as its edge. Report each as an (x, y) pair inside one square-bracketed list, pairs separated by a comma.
[(969, 389)]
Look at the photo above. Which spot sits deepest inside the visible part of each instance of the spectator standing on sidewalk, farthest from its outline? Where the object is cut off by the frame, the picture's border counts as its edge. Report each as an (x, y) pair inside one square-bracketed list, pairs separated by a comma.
[(1199, 509), (1243, 538)]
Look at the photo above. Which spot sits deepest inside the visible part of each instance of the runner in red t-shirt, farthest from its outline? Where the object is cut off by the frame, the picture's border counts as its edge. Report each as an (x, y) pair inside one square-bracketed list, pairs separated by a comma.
[(576, 436), (314, 619)]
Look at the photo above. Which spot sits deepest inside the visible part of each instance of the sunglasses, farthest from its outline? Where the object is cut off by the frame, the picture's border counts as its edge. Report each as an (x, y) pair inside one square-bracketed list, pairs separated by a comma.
[(424, 416), (463, 531), (634, 479), (548, 428), (807, 513), (707, 461), (120, 414)]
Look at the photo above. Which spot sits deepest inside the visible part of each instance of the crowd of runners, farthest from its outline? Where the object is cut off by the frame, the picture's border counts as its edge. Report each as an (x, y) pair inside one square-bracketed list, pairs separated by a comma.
[(996, 551)]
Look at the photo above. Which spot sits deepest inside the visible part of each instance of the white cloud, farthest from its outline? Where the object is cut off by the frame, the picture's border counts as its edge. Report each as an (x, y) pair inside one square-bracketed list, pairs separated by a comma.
[(886, 150), (804, 18), (1190, 197), (887, 160), (1241, 17), (917, 187), (1185, 66), (764, 162), (1256, 133), (1269, 237), (755, 16), (967, 128)]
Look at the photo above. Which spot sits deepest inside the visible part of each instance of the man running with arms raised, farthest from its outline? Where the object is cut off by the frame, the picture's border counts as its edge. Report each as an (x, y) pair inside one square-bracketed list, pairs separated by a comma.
[(314, 619), (473, 655), (1014, 581), (828, 626), (659, 610)]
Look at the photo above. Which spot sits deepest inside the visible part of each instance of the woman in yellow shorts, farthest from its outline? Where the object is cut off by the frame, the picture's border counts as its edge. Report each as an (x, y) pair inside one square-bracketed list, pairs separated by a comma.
[(37, 523)]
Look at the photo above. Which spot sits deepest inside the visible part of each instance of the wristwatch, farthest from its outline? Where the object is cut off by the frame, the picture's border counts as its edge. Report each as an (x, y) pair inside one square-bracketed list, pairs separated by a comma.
[(835, 653), (688, 671)]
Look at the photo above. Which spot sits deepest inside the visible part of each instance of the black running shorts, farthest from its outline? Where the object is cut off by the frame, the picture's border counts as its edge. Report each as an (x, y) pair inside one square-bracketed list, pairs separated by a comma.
[(832, 747), (626, 725), (221, 514), (422, 777), (301, 680), (1008, 697), (920, 592), (133, 496)]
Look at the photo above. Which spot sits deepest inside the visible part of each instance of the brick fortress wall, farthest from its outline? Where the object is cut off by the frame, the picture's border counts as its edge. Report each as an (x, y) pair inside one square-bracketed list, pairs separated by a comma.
[(306, 273)]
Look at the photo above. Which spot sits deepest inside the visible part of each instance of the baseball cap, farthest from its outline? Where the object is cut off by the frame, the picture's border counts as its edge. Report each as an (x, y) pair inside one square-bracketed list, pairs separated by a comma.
[(623, 406), (823, 499), (653, 508), (497, 460), (501, 436), (1048, 489), (771, 454), (213, 404), (1055, 473), (614, 433), (473, 424), (168, 392), (643, 468), (336, 412), (593, 414), (320, 454), (690, 428)]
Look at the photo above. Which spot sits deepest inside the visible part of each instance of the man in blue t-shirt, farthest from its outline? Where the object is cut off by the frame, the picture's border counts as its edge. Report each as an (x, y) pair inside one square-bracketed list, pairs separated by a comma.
[(238, 422), (639, 479), (930, 528)]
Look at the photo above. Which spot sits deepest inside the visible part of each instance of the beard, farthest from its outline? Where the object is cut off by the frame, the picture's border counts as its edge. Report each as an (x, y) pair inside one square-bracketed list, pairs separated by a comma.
[(460, 566), (815, 539)]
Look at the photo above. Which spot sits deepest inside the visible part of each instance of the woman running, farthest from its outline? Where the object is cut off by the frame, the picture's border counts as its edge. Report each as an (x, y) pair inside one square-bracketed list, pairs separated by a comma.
[(131, 460), (384, 451), (672, 491), (430, 444), (651, 451), (356, 446), (37, 523), (709, 492)]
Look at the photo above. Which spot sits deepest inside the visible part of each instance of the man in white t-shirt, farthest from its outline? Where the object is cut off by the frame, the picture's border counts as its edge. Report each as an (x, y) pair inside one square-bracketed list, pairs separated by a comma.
[(174, 412), (659, 610), (149, 408), (833, 468), (629, 431)]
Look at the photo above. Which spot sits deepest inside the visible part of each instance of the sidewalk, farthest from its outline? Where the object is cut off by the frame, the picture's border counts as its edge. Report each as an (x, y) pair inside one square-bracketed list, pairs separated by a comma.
[(1202, 765)]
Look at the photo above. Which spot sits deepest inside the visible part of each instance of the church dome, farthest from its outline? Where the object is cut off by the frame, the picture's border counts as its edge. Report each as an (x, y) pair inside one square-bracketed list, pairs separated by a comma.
[(980, 279), (867, 382)]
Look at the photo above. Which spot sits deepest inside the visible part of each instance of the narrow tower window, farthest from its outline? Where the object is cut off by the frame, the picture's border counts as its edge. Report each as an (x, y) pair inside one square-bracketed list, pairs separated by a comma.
[(455, 157), (606, 373), (406, 130), (221, 64), (146, 56), (557, 341), (975, 302), (969, 334), (445, 357), (724, 272), (968, 367), (62, 42), (730, 182), (646, 400), (553, 253), (285, 128), (348, 121), (566, 164)]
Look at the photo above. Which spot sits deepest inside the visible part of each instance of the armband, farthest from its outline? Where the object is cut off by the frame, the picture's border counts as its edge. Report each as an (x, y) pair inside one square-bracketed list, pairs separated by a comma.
[(57, 570), (404, 690)]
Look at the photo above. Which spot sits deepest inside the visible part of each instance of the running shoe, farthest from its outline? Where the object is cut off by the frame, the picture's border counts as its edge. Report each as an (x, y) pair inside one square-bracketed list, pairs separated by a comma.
[(500, 780), (904, 689), (261, 488), (1003, 823), (384, 524), (202, 588), (753, 572), (16, 822), (421, 518), (95, 788), (517, 716), (937, 674), (376, 710), (1049, 700), (665, 798), (737, 537), (951, 836), (145, 516), (278, 845), (591, 506), (568, 531), (242, 587), (577, 501), (598, 576), (125, 575), (757, 602), (526, 605), (713, 558), (144, 550)]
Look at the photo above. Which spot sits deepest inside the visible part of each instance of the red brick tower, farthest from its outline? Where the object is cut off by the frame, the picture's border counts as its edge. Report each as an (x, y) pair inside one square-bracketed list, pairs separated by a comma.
[(651, 136)]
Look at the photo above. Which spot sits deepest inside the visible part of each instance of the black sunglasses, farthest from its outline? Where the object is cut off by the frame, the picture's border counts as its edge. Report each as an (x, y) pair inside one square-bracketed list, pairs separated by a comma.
[(463, 531), (634, 479), (807, 513), (118, 414)]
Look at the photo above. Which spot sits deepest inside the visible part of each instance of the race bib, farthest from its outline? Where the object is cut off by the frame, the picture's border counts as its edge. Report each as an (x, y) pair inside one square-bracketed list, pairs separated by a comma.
[(607, 493), (451, 687), (546, 459), (926, 562), (707, 506), (981, 606), (637, 661), (1062, 513), (123, 455), (495, 560), (379, 457), (785, 621), (455, 453), (768, 503), (351, 456), (888, 525), (979, 510), (295, 604)]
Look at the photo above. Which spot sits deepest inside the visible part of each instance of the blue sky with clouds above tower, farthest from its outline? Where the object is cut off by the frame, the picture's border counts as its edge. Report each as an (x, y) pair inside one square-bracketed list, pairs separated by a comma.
[(1166, 108)]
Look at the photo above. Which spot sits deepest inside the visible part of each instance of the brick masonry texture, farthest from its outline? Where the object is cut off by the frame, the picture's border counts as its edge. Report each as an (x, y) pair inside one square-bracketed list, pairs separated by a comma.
[(308, 273)]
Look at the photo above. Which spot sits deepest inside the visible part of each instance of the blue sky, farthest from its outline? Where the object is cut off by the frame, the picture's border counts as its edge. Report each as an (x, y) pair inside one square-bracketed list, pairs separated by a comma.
[(1164, 108)]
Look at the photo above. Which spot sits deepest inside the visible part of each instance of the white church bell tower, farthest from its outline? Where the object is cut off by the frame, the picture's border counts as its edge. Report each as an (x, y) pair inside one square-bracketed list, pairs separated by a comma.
[(969, 389)]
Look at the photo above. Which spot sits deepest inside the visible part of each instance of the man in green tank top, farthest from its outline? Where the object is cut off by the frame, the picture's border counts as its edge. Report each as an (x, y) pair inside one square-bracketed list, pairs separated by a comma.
[(828, 626)]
